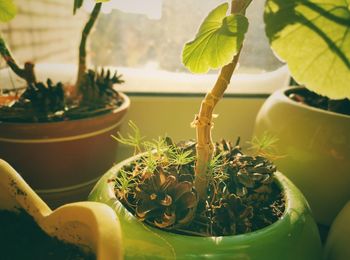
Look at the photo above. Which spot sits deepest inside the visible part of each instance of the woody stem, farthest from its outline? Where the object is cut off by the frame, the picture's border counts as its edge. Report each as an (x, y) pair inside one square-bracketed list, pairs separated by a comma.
[(203, 121)]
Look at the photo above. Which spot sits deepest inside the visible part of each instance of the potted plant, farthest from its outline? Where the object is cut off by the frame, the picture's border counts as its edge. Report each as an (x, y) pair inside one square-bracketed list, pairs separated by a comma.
[(312, 129), (58, 136), (203, 199), (91, 230)]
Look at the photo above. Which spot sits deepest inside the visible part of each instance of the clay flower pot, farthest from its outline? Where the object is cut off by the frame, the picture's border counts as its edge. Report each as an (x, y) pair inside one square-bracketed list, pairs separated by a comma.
[(85, 223), (294, 236), (316, 145), (4, 100), (62, 160)]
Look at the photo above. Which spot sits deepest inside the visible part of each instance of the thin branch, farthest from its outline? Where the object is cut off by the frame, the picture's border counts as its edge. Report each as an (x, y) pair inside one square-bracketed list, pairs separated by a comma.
[(82, 48), (26, 73), (239, 6)]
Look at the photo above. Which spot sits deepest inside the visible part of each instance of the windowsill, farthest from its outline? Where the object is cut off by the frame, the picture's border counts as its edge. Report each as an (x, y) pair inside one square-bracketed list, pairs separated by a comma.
[(151, 81), (165, 103)]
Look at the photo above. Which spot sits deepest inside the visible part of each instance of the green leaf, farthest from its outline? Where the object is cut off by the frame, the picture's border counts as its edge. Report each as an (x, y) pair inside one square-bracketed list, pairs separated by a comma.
[(8, 10), (219, 38), (313, 37)]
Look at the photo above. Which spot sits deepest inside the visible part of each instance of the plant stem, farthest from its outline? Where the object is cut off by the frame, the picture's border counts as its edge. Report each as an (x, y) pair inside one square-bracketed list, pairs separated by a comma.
[(26, 73), (203, 121), (82, 47)]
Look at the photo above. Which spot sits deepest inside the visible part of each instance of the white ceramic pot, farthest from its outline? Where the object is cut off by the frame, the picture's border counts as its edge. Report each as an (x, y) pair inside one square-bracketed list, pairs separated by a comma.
[(316, 149)]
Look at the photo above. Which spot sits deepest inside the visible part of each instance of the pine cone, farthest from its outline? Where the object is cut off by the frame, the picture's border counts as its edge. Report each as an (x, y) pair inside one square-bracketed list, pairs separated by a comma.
[(232, 216), (40, 102), (166, 200), (253, 173), (97, 88), (249, 187)]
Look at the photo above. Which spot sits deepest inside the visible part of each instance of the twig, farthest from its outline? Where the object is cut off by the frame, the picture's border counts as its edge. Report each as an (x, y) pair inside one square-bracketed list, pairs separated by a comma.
[(82, 47)]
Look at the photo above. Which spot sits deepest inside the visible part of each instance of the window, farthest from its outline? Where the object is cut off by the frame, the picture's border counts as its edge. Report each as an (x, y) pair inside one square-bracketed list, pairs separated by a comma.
[(144, 39), (155, 37), (150, 37)]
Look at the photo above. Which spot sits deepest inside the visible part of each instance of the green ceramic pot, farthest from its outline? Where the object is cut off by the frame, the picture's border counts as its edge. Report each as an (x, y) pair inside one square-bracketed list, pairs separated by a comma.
[(316, 148), (294, 236), (338, 241)]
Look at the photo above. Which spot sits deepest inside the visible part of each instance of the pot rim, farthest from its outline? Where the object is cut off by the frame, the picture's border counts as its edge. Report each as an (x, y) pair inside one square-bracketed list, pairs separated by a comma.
[(281, 94), (293, 200), (124, 106)]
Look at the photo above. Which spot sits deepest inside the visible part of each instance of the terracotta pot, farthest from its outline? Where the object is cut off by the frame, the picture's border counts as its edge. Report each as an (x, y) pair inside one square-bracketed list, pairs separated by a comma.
[(294, 236), (4, 100), (62, 160), (85, 224), (316, 145)]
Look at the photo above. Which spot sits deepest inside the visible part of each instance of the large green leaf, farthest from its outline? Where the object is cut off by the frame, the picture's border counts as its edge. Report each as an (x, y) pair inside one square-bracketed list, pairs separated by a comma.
[(217, 41), (8, 10), (313, 37)]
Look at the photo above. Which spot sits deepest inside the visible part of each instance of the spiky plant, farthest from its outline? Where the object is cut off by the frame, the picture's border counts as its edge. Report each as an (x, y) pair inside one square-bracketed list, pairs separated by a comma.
[(265, 145)]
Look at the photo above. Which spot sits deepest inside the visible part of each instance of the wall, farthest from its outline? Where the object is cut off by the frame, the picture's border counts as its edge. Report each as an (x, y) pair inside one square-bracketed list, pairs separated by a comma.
[(44, 31)]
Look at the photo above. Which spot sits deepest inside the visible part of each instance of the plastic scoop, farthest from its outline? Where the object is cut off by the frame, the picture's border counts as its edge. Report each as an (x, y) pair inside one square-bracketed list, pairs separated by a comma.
[(86, 224)]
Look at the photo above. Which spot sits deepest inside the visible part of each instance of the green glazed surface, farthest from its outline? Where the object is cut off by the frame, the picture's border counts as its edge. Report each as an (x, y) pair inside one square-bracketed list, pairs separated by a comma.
[(294, 236), (338, 241)]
